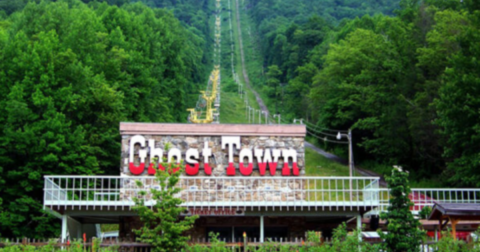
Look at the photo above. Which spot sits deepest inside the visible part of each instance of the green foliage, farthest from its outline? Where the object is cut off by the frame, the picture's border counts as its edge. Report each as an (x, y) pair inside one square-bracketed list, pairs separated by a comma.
[(164, 228), (425, 212), (458, 110), (75, 246), (272, 87), (10, 6), (403, 233), (447, 243), (405, 84), (70, 74)]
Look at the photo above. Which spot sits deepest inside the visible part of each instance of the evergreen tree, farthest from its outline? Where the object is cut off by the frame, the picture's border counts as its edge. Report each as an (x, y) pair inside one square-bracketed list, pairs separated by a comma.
[(403, 233), (164, 228)]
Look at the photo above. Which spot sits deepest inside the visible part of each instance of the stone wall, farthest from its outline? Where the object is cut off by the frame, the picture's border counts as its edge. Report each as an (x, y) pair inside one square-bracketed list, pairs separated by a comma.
[(228, 189), (255, 187)]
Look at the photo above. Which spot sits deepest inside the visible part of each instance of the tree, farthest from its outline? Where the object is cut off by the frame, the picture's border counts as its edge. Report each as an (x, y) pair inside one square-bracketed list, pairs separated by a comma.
[(458, 112), (273, 84), (403, 233), (70, 72), (163, 227)]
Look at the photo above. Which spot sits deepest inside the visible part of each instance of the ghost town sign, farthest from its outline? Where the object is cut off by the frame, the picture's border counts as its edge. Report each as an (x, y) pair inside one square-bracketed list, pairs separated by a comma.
[(265, 157)]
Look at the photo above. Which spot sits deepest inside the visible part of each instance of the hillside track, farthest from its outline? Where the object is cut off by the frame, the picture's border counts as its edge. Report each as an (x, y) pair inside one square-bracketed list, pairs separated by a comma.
[(260, 102), (262, 106)]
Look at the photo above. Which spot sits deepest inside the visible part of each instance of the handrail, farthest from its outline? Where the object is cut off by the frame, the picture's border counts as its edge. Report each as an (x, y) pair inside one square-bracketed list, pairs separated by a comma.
[(218, 192), (247, 192)]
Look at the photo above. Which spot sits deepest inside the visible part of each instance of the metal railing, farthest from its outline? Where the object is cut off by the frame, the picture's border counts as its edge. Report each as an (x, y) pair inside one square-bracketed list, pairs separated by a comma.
[(317, 193), (427, 197), (331, 193)]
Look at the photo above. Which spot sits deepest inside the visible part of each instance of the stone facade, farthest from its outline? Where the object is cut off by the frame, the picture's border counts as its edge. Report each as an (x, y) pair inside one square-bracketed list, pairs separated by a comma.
[(232, 188)]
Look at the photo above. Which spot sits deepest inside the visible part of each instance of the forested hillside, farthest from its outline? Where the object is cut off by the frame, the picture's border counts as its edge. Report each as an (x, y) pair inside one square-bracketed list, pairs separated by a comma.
[(406, 84), (70, 72)]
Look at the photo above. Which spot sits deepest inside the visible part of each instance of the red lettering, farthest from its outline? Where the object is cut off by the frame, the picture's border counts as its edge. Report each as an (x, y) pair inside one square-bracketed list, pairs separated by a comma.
[(286, 169), (262, 167), (137, 170), (230, 169), (246, 171), (192, 170), (207, 168)]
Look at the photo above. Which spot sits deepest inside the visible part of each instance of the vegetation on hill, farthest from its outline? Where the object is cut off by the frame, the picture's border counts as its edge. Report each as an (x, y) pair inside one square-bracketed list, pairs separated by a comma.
[(70, 72), (406, 84)]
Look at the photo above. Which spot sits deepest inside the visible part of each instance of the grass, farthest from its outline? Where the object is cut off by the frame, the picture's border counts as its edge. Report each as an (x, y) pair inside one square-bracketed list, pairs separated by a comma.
[(318, 165), (330, 189), (232, 111)]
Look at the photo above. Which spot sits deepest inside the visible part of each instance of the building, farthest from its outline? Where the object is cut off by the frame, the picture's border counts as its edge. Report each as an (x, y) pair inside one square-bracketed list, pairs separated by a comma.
[(238, 178)]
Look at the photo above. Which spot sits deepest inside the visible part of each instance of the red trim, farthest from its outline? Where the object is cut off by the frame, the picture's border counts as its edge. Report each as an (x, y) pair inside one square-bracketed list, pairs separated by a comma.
[(192, 171), (286, 169), (136, 170), (296, 171), (230, 169), (207, 168), (151, 170), (246, 171), (262, 167)]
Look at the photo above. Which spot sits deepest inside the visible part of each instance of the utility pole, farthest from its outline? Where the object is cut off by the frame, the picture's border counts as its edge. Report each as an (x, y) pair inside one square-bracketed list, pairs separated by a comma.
[(249, 114), (350, 155)]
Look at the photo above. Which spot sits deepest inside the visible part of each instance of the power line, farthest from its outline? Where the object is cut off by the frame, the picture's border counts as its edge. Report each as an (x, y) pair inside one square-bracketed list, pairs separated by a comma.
[(323, 133), (323, 128), (325, 139)]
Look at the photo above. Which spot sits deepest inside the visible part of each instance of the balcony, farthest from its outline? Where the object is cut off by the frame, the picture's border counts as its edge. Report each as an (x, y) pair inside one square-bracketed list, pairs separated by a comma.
[(268, 193), (262, 193)]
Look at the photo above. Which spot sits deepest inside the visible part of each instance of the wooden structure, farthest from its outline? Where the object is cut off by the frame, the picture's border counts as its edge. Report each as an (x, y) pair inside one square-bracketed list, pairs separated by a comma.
[(453, 213)]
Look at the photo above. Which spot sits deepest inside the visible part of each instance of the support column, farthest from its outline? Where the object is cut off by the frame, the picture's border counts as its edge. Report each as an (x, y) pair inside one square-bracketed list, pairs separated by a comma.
[(359, 226), (262, 229), (454, 227), (64, 228)]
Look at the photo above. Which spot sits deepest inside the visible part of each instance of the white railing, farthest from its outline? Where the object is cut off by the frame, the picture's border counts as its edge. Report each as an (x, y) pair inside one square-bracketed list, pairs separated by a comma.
[(317, 193), (330, 193), (427, 197)]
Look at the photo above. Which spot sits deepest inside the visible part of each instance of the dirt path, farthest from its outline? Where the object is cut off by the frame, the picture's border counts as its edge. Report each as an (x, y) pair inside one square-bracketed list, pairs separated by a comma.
[(242, 56)]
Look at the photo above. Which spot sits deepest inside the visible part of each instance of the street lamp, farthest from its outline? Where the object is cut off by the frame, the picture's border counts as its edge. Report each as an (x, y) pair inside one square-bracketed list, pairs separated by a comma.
[(350, 155), (277, 115)]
